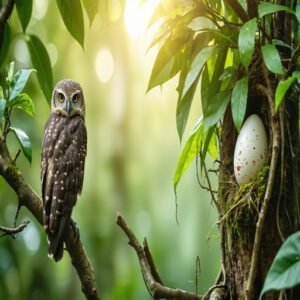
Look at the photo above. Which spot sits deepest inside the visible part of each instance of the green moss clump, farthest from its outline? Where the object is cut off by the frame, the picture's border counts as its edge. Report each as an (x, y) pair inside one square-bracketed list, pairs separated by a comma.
[(244, 206)]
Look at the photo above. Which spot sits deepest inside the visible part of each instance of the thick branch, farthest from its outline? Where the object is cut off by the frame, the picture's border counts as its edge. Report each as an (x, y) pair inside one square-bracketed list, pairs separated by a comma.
[(150, 274), (5, 12), (239, 10), (267, 91), (31, 200)]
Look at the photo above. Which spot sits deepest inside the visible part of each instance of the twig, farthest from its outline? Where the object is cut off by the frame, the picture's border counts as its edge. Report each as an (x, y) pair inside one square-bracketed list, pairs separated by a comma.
[(267, 91), (239, 10), (5, 12), (157, 290), (17, 155), (150, 260), (282, 169), (32, 201), (13, 231)]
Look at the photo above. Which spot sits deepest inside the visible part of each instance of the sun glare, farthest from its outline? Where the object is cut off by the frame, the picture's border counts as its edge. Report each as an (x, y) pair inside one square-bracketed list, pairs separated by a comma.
[(137, 16)]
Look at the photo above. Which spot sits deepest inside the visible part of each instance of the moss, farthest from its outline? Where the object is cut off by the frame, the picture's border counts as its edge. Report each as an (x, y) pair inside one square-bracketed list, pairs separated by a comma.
[(243, 207)]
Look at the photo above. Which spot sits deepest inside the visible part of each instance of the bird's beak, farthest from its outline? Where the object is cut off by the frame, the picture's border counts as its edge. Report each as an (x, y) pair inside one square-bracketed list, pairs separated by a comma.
[(69, 106)]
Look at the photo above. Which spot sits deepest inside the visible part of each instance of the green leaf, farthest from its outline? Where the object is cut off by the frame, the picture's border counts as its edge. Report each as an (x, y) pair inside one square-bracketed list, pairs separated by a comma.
[(285, 269), (191, 148), (281, 90), (206, 140), (2, 110), (24, 102), (200, 23), (41, 61), (10, 72), (209, 88), (265, 8), (18, 82), (168, 62), (272, 59), (298, 12), (246, 42), (91, 8), (24, 141), (196, 67), (1, 93), (212, 147), (216, 108), (24, 9), (71, 12), (281, 43), (239, 101), (183, 109)]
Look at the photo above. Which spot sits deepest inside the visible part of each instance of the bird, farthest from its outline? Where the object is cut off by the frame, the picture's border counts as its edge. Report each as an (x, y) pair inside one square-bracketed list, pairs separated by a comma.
[(63, 154)]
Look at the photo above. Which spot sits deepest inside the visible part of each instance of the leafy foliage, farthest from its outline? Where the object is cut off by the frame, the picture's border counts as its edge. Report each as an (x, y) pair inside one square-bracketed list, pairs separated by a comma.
[(14, 98), (209, 48), (239, 101), (283, 87), (266, 8), (91, 7), (272, 59), (71, 12), (247, 41), (41, 62), (24, 142), (24, 9), (285, 269)]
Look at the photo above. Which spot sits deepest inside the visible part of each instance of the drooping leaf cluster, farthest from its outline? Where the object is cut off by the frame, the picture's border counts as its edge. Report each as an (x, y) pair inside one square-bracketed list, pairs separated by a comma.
[(212, 49), (71, 12)]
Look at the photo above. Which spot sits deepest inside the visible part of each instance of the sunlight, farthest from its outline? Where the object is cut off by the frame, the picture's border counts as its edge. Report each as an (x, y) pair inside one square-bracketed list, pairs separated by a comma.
[(104, 65), (137, 16)]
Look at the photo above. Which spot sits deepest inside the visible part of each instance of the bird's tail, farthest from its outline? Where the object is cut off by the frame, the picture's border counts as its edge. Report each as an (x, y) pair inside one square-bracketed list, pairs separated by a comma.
[(56, 242)]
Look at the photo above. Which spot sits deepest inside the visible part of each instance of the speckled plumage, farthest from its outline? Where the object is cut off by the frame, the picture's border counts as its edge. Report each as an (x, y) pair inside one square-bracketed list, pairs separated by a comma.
[(63, 159)]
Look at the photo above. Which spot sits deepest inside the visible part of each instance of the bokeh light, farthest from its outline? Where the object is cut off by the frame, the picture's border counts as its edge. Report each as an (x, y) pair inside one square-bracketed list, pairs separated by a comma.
[(104, 65)]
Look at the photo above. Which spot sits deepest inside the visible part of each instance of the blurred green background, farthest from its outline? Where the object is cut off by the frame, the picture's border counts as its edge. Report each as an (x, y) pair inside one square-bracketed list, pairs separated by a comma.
[(133, 148)]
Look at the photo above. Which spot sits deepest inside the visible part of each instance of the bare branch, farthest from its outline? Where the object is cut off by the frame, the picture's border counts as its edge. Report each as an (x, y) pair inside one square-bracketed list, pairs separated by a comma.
[(149, 271), (5, 12), (28, 197), (13, 231)]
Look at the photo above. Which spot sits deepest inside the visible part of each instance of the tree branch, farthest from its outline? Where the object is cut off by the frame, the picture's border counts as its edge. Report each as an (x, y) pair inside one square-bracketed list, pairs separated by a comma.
[(239, 10), (12, 231), (28, 197), (275, 128), (5, 12), (150, 274)]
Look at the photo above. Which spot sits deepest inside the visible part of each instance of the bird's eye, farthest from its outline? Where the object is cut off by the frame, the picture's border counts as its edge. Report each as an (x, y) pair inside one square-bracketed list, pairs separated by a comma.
[(61, 97), (75, 98)]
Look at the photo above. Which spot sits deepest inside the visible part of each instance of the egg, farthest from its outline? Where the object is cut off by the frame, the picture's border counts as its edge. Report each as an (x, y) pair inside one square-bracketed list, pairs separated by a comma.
[(250, 151)]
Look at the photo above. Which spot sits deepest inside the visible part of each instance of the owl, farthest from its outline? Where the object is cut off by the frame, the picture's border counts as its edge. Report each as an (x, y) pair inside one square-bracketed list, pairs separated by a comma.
[(62, 163)]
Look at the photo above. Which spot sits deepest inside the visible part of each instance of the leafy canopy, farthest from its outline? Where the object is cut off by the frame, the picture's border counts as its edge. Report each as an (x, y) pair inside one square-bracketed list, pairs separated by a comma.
[(212, 50)]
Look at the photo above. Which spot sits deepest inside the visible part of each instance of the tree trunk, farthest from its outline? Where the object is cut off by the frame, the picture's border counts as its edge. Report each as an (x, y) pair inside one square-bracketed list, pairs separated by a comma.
[(239, 225)]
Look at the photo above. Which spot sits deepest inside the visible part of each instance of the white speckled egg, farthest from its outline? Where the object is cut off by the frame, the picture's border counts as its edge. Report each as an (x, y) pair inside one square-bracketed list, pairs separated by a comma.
[(250, 151)]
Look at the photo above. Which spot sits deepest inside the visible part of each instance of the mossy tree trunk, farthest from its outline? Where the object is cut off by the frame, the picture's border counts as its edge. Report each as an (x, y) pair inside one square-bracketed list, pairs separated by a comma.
[(238, 227)]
